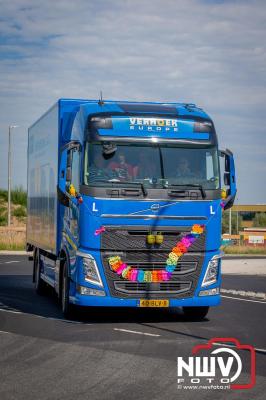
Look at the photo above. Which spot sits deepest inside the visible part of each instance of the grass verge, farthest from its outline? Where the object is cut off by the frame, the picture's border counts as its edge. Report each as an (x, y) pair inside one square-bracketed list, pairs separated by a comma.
[(243, 250), (12, 240), (12, 246)]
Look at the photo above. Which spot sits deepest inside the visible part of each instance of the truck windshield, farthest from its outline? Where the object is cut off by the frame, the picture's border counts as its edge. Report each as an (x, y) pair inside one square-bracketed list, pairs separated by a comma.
[(155, 166)]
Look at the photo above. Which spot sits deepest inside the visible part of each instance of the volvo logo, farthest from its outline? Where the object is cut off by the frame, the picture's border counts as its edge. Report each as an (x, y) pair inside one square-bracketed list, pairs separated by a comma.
[(155, 207)]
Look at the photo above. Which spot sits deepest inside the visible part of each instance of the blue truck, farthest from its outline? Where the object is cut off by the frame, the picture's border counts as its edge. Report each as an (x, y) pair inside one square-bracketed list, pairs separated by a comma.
[(125, 205)]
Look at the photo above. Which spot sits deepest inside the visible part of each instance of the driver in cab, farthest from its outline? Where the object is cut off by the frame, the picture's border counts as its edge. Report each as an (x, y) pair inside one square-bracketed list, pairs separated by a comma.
[(98, 171)]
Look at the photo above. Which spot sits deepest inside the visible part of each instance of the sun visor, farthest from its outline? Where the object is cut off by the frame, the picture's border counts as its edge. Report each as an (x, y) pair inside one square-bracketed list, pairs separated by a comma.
[(151, 127)]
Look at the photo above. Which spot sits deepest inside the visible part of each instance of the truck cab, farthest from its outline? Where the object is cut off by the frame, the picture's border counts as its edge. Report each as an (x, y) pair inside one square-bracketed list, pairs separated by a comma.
[(138, 207)]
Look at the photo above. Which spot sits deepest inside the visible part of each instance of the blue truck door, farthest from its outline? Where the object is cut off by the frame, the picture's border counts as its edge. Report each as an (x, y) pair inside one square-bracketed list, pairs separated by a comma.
[(69, 175)]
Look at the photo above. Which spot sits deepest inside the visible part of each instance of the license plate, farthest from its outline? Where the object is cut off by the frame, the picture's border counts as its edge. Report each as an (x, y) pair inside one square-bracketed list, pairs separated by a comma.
[(153, 303)]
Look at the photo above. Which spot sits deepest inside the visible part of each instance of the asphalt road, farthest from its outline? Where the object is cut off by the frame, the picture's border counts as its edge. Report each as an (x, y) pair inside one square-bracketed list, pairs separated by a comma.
[(111, 353)]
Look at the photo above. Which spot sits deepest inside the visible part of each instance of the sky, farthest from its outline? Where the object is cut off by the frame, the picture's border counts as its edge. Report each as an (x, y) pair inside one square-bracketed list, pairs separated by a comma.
[(211, 53)]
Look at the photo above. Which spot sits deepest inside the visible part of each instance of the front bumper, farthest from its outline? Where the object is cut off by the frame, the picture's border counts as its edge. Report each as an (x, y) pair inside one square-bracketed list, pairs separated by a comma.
[(106, 301)]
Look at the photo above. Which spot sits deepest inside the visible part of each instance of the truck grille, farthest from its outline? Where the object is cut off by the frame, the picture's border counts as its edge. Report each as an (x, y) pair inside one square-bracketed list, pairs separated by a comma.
[(130, 244), (134, 238), (146, 289)]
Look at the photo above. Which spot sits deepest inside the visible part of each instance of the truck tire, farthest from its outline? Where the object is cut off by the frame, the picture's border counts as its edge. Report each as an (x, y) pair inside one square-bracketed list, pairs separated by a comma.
[(67, 308), (40, 285), (196, 313)]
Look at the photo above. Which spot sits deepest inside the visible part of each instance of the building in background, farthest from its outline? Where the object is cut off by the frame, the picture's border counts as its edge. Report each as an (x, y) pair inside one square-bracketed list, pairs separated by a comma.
[(248, 225), (250, 215), (253, 236)]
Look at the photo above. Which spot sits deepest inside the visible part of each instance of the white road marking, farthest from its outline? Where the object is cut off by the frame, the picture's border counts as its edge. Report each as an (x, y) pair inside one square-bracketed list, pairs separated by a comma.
[(11, 262), (4, 332), (261, 350), (232, 345), (11, 311), (40, 316), (252, 301), (137, 332), (244, 293), (223, 344), (63, 320)]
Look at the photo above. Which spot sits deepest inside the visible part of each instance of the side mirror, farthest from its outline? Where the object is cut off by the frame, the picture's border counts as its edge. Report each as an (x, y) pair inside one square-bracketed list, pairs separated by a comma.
[(69, 159), (226, 179), (65, 175), (109, 148), (229, 177), (68, 174)]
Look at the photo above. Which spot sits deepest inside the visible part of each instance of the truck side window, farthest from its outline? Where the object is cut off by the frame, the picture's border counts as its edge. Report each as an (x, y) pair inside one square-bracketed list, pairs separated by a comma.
[(75, 168)]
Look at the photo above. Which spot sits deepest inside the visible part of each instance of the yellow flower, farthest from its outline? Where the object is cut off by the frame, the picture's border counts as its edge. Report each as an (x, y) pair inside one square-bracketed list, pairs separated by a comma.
[(173, 257), (223, 194), (72, 190), (113, 260), (197, 229), (147, 276)]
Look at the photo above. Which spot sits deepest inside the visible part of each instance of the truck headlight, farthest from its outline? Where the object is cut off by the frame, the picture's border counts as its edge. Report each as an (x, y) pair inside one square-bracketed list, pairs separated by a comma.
[(90, 269), (211, 274)]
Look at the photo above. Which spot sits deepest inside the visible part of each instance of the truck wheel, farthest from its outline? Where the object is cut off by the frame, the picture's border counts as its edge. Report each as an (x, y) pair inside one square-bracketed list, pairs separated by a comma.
[(67, 308), (196, 313), (40, 285)]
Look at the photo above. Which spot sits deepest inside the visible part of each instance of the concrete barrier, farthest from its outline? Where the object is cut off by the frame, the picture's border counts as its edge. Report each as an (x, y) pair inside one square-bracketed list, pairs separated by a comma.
[(244, 266)]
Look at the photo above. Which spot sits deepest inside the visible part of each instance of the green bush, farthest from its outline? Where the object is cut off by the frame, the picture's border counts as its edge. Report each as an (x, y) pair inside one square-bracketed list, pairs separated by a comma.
[(20, 212), (3, 219), (260, 219), (18, 196), (225, 222), (3, 194)]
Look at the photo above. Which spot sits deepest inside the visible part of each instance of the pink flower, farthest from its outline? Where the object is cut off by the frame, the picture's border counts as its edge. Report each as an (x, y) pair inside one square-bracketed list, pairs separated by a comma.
[(186, 242), (133, 275), (121, 268)]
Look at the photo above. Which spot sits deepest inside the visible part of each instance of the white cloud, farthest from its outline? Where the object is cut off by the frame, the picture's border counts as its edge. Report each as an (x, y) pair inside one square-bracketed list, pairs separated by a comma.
[(208, 52)]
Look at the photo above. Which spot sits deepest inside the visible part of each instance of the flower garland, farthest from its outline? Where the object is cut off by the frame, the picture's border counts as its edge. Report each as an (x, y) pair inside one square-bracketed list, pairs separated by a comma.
[(138, 275)]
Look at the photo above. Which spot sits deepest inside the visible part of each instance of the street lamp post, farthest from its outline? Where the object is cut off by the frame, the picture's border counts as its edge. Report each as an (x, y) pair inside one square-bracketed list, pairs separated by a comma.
[(230, 222), (9, 174)]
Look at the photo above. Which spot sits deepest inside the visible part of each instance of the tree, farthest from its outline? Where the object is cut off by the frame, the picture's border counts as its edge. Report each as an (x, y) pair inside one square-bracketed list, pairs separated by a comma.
[(260, 220), (225, 222)]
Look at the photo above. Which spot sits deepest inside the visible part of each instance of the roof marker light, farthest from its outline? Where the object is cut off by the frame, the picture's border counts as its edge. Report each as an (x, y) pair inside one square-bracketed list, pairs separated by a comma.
[(205, 126)]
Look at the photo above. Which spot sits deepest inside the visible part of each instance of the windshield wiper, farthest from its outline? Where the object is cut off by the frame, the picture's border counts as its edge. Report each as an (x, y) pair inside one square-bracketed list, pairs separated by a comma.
[(115, 182), (187, 186)]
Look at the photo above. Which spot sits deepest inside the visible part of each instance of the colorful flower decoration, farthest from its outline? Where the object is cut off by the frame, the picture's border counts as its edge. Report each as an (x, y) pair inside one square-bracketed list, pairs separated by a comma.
[(138, 275), (99, 231)]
